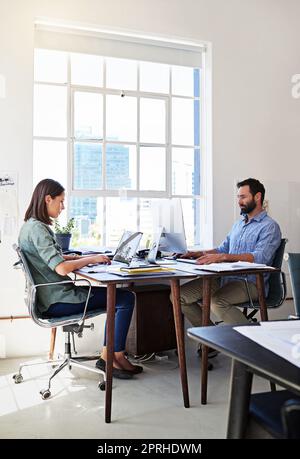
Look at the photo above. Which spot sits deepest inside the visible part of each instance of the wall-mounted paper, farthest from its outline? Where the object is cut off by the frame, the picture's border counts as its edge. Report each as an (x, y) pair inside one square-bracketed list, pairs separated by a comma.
[(8, 203)]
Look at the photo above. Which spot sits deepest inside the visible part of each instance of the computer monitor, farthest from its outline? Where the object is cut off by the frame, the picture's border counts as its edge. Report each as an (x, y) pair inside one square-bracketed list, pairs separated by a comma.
[(168, 226)]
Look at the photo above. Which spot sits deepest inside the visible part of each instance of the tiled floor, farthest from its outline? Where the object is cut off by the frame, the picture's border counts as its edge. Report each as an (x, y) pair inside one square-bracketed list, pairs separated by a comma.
[(150, 406)]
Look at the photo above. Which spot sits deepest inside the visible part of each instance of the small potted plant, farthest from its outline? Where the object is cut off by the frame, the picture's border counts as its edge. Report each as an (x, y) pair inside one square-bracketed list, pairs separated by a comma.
[(64, 233)]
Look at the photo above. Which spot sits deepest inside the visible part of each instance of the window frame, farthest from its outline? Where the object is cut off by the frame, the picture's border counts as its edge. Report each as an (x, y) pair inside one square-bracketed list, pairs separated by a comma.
[(131, 193)]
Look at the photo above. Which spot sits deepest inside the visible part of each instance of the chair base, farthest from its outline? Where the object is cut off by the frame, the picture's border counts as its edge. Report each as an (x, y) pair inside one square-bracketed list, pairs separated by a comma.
[(66, 361)]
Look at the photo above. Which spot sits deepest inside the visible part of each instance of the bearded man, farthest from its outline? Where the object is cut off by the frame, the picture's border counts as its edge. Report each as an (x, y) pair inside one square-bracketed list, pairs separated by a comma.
[(253, 238)]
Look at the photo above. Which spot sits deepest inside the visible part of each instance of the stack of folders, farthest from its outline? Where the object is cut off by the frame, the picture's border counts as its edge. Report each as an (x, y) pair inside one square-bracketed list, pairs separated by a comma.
[(142, 271)]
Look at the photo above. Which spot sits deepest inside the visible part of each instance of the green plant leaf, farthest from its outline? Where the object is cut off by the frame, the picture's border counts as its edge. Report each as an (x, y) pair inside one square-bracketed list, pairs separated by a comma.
[(67, 229)]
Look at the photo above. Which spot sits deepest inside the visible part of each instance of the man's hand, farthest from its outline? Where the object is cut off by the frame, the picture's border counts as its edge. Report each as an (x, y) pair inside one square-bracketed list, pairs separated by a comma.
[(208, 258)]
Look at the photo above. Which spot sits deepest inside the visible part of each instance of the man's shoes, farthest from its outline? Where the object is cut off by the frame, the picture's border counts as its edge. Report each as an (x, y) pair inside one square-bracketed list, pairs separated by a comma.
[(211, 352), (116, 372)]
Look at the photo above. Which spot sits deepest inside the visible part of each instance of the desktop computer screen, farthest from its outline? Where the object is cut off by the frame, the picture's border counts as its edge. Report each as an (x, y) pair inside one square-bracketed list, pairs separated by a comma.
[(168, 226)]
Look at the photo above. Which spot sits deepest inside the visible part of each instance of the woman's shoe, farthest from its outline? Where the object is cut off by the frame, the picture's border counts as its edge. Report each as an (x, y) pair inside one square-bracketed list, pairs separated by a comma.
[(116, 372), (136, 370)]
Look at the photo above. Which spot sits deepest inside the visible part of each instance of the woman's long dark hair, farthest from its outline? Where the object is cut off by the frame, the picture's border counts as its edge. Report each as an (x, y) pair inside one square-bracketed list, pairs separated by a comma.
[(37, 207)]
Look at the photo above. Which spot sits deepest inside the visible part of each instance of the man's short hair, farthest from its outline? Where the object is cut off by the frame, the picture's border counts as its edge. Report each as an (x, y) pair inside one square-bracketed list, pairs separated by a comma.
[(254, 186)]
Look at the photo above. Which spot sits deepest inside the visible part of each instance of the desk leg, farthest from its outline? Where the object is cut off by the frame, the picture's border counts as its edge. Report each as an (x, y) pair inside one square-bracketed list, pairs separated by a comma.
[(240, 390), (263, 307), (261, 296), (110, 331), (52, 343), (175, 289), (204, 349)]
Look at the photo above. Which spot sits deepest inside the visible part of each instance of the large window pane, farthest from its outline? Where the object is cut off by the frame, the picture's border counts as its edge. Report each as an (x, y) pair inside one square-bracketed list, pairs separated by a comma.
[(86, 70), (121, 74), (88, 214), (121, 118), (121, 215), (50, 161), (50, 66), (182, 81), (185, 171), (88, 115), (152, 168), (152, 120), (182, 121), (50, 111), (87, 166), (154, 77), (120, 166)]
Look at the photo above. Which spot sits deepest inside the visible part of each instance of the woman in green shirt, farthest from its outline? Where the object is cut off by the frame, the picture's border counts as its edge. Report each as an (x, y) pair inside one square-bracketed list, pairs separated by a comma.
[(48, 264)]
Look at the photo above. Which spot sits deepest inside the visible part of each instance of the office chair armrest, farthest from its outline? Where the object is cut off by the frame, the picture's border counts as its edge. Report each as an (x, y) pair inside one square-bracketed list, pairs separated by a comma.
[(74, 281)]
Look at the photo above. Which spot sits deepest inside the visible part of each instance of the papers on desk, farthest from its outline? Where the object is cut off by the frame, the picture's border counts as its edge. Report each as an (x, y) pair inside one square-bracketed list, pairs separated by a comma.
[(124, 272), (93, 269), (219, 267), (280, 337)]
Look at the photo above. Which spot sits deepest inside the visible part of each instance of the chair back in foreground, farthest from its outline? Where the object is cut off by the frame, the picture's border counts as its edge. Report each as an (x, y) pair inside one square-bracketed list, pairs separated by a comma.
[(277, 412), (294, 270)]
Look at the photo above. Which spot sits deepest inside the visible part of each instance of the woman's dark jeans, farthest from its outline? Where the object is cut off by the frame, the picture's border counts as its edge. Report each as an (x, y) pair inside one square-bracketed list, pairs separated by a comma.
[(124, 310)]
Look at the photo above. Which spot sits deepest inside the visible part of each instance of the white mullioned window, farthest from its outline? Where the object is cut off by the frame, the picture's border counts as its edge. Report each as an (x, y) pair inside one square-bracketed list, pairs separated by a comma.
[(117, 133)]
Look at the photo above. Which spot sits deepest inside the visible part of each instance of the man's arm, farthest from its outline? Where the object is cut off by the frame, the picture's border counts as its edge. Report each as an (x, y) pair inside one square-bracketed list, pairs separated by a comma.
[(195, 255), (221, 254), (266, 245), (215, 257)]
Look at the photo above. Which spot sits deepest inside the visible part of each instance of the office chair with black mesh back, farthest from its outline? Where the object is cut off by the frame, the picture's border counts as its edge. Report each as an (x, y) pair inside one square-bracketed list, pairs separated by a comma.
[(277, 286), (70, 324), (294, 269)]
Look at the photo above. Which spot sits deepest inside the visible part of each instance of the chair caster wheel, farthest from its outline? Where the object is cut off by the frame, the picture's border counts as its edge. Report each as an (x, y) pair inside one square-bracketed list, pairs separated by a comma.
[(45, 394), (18, 378), (101, 385)]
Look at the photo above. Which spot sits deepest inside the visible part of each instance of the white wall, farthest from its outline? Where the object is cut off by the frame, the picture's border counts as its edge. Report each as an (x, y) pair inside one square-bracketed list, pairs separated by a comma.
[(256, 50)]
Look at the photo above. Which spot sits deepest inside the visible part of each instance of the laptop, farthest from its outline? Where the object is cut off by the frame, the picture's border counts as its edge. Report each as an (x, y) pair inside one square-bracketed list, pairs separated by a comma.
[(127, 248), (126, 251)]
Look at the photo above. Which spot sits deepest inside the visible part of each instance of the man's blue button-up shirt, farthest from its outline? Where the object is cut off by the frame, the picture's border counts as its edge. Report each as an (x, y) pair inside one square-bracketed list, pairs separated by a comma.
[(259, 236)]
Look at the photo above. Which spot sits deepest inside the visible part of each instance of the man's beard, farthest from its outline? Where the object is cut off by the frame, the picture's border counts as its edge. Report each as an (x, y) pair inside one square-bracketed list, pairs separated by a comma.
[(248, 207)]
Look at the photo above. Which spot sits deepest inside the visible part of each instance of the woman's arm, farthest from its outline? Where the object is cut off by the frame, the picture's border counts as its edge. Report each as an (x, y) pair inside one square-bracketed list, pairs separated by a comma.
[(78, 262)]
